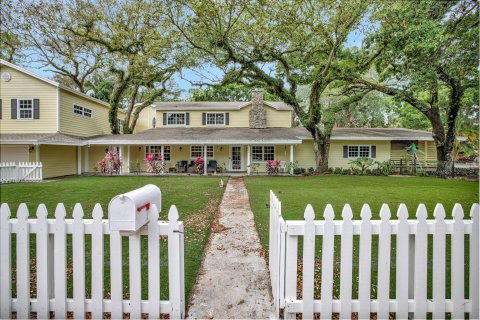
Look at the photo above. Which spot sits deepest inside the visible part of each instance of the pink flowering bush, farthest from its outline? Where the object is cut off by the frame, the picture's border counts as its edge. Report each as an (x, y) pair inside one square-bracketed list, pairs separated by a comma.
[(273, 166), (199, 164), (154, 164), (111, 163)]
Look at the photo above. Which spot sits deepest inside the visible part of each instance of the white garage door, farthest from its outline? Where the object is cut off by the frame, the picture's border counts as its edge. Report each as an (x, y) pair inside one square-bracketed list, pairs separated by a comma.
[(13, 153)]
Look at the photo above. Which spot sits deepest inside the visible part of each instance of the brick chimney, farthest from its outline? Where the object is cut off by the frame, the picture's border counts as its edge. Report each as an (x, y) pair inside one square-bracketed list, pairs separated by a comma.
[(258, 115)]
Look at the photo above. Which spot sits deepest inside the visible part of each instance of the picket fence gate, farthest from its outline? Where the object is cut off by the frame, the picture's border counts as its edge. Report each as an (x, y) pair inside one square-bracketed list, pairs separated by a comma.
[(411, 263), (51, 265), (23, 171)]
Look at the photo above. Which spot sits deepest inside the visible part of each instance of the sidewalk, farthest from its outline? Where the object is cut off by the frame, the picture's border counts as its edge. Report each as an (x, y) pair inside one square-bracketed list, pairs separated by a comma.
[(233, 281)]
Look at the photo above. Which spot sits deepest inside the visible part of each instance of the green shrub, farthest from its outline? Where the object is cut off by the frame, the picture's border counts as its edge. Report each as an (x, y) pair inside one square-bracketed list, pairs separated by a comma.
[(346, 172), (338, 171), (298, 170), (311, 170)]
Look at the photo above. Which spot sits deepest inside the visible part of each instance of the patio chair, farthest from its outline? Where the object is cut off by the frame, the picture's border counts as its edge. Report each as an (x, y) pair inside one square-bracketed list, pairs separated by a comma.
[(283, 166), (182, 166), (212, 166)]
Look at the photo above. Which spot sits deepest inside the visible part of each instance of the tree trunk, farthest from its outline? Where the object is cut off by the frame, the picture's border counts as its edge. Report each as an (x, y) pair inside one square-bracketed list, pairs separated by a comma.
[(321, 147), (444, 149)]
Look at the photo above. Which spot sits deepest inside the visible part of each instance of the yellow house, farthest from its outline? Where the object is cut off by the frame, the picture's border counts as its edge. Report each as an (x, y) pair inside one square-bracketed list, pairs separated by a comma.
[(381, 144), (44, 121), (68, 131)]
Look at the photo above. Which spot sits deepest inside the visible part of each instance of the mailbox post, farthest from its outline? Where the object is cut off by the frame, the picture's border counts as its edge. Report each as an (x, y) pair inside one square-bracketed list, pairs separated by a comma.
[(128, 212)]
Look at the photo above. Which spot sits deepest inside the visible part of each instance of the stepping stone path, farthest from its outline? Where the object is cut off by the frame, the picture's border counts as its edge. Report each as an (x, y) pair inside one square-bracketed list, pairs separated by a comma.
[(233, 282)]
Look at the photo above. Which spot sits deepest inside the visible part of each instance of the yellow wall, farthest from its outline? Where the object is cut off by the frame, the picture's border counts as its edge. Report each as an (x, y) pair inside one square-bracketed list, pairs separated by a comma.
[(336, 159), (144, 121), (58, 160), (73, 124), (237, 118), (426, 151), (305, 155), (24, 86)]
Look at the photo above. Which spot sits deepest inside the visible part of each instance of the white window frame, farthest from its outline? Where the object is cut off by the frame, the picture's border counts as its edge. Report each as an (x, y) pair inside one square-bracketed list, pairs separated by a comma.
[(263, 153), (209, 155), (358, 151), (215, 124), (120, 123), (18, 109), (159, 151), (83, 109), (177, 125)]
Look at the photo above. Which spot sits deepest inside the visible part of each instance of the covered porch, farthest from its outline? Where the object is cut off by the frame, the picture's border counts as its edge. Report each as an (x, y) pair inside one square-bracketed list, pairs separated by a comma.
[(232, 150)]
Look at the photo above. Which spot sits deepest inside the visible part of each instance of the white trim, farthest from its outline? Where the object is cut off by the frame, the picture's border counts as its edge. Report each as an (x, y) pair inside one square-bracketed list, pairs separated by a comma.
[(215, 125), (177, 105), (162, 151), (175, 125), (195, 142), (83, 111), (230, 167), (201, 145), (263, 152), (356, 138), (18, 109), (58, 109), (369, 151)]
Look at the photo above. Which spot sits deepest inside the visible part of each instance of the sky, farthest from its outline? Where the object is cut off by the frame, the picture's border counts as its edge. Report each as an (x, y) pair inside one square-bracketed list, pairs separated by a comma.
[(188, 76)]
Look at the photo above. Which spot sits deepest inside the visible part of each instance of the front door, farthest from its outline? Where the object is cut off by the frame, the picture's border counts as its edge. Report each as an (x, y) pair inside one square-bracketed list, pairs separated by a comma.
[(236, 158)]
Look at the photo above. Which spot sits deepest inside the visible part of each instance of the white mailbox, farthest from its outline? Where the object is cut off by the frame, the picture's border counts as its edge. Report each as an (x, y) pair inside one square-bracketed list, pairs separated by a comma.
[(128, 212)]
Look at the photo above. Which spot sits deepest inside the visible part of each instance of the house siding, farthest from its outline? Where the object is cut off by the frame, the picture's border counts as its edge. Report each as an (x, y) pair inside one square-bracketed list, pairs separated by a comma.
[(237, 118), (73, 124), (24, 86), (58, 160), (336, 159)]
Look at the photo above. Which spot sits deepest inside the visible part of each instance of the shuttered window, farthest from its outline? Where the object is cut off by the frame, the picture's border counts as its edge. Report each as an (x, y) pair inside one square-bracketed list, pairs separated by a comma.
[(359, 151), (25, 109), (175, 119)]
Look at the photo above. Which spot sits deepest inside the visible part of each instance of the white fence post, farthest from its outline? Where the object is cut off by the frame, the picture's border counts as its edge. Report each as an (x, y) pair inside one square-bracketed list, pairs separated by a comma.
[(5, 263), (409, 277), (308, 263), (174, 264), (51, 268), (23, 171)]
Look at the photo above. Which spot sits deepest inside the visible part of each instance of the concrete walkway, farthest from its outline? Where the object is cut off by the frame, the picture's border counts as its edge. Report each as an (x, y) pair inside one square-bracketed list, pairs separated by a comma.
[(233, 282)]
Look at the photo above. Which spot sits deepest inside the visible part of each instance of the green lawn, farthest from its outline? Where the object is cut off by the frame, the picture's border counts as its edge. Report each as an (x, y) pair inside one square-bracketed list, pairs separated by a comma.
[(197, 200), (296, 192)]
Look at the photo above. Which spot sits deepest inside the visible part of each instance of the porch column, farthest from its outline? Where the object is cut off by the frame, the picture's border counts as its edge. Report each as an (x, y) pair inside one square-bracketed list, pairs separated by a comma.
[(128, 159), (248, 160), (37, 153), (291, 159), (79, 160), (87, 164), (162, 154), (205, 160), (120, 155)]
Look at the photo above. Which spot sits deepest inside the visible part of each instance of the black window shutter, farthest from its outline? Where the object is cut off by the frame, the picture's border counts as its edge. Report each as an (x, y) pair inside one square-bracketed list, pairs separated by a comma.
[(204, 118), (345, 151), (14, 108), (227, 118), (374, 151), (187, 118), (36, 109), (0, 108), (164, 119)]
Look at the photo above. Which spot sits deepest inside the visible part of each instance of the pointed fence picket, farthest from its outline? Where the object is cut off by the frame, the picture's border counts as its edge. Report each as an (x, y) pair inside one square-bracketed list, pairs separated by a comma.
[(49, 240), (410, 263), (22, 171)]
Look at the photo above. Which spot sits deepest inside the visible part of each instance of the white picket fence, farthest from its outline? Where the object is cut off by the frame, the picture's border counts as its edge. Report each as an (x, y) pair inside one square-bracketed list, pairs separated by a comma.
[(51, 265), (410, 263), (23, 171)]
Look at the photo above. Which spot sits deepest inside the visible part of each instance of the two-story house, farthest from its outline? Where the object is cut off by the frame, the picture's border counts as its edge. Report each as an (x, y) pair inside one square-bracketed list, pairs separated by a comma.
[(68, 131), (44, 121)]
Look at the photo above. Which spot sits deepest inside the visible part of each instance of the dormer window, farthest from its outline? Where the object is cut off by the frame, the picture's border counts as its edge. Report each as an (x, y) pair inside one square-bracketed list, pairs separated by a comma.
[(176, 119), (82, 111), (215, 119)]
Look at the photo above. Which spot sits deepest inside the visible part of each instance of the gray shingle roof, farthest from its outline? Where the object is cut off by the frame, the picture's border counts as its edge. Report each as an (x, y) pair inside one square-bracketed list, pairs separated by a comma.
[(214, 105), (184, 135), (41, 138), (380, 134)]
